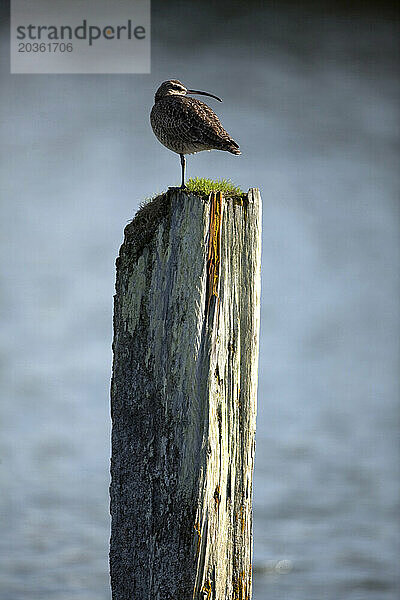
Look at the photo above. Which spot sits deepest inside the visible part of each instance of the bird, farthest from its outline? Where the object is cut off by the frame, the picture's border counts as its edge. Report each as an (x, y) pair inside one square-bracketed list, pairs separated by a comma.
[(186, 125)]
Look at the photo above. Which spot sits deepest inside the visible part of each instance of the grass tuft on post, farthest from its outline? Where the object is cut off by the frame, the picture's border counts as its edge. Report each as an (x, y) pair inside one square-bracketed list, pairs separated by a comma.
[(203, 187), (183, 398)]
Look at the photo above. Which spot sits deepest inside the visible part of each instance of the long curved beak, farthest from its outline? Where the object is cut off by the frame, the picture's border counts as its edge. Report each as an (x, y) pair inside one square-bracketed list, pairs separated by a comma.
[(204, 94)]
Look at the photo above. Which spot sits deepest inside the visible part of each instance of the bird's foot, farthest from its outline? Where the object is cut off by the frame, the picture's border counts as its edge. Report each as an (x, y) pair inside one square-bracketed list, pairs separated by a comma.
[(177, 188)]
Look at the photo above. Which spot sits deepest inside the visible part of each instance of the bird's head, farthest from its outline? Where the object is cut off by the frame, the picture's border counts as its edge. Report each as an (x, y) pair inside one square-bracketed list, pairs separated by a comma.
[(173, 87)]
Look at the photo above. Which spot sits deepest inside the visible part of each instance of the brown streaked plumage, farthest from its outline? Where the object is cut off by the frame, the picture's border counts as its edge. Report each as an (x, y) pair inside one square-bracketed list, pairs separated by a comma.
[(187, 125)]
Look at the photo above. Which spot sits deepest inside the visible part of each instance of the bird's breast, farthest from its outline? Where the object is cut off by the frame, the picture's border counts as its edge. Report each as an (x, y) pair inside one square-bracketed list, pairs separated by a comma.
[(173, 127)]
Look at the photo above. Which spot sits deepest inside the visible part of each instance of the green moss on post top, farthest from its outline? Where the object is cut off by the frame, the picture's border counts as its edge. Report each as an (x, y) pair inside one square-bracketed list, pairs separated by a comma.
[(204, 186)]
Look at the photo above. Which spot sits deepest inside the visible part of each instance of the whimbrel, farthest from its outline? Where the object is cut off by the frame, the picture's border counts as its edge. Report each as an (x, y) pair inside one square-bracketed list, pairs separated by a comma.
[(187, 125)]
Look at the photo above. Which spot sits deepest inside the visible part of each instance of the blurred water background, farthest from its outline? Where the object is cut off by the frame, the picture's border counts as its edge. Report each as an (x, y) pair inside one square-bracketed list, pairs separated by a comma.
[(311, 96)]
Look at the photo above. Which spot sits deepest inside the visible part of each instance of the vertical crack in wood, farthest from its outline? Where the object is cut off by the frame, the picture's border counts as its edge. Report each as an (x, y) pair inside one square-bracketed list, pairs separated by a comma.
[(242, 586), (214, 247), (197, 530)]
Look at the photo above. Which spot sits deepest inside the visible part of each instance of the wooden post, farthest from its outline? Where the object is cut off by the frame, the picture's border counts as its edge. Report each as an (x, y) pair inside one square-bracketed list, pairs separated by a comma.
[(183, 399)]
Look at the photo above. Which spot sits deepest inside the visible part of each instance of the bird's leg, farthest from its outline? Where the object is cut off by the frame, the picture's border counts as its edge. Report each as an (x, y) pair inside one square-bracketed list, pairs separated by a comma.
[(183, 171)]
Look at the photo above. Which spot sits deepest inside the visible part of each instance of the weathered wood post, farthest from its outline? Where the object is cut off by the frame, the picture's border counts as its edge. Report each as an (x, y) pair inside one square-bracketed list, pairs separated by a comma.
[(183, 399)]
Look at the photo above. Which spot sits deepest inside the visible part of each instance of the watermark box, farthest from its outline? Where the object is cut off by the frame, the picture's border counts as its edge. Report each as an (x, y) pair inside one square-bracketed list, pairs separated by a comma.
[(80, 36)]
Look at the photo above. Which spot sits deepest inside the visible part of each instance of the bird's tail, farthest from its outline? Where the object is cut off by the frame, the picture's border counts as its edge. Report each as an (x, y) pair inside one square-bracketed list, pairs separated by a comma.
[(234, 150), (233, 147), (227, 143)]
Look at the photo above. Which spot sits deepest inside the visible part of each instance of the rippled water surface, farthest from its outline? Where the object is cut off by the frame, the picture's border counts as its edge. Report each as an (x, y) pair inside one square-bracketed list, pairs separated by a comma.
[(312, 100)]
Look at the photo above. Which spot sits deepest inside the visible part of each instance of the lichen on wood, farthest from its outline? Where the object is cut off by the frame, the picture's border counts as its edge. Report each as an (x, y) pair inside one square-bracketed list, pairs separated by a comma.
[(183, 399)]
